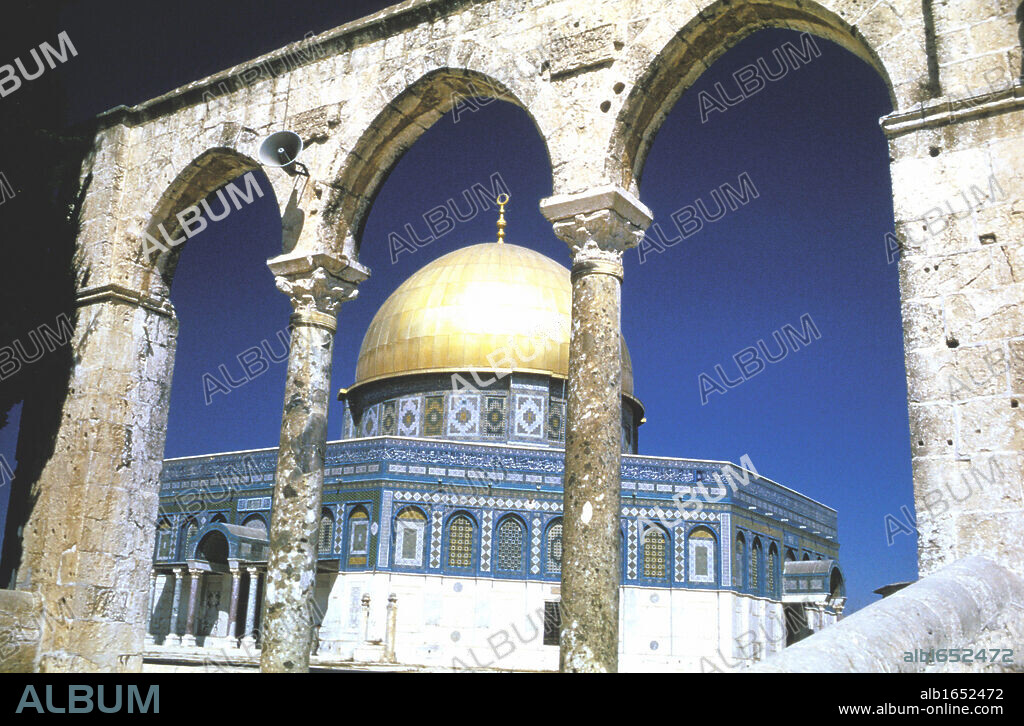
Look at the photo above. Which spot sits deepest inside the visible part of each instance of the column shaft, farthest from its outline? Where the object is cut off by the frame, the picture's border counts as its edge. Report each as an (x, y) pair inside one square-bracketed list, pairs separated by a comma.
[(287, 632), (250, 606), (392, 626), (236, 577), (193, 598), (172, 628), (598, 225), (152, 604), (593, 458), (317, 284)]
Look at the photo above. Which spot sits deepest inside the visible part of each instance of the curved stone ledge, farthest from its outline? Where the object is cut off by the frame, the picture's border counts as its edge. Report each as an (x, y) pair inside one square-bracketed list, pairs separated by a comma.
[(971, 603)]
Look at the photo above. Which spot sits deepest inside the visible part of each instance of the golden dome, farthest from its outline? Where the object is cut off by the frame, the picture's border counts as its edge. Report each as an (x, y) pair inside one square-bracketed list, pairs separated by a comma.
[(498, 300)]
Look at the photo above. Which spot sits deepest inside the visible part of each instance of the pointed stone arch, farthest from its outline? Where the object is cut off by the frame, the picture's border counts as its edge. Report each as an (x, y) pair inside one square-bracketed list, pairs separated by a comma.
[(667, 64), (207, 173), (365, 160)]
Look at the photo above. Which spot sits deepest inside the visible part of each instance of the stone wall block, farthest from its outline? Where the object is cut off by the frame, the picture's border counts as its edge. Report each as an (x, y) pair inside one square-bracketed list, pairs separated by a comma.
[(991, 425), (976, 317), (1016, 363), (933, 369), (925, 276), (932, 429), (923, 325), (996, 535), (987, 482)]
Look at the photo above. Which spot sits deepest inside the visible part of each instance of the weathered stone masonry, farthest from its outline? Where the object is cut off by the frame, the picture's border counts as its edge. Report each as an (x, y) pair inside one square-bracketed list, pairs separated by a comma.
[(597, 78)]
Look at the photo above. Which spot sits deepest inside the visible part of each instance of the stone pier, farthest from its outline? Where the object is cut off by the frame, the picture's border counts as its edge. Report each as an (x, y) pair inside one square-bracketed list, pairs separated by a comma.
[(598, 226), (317, 284), (88, 543)]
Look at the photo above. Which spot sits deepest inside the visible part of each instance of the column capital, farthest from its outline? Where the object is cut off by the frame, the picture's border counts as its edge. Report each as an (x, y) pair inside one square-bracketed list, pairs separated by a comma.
[(598, 225), (317, 283)]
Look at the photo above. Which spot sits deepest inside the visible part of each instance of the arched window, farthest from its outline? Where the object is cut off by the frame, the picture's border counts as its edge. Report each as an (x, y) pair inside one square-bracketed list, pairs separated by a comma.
[(255, 521), (702, 555), (755, 566), (358, 536), (790, 555), (511, 545), (460, 543), (836, 584), (219, 518), (325, 537), (741, 561), (164, 540), (188, 538), (807, 557), (655, 554), (410, 526), (553, 549)]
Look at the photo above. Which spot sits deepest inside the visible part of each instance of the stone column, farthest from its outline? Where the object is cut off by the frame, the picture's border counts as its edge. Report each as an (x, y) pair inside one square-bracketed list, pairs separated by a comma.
[(598, 225), (173, 636), (249, 638), (366, 617), (151, 629), (391, 625), (317, 284), (189, 639), (236, 579)]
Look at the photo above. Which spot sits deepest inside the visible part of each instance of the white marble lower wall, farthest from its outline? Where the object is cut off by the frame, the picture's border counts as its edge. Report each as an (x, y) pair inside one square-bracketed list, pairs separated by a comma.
[(471, 623)]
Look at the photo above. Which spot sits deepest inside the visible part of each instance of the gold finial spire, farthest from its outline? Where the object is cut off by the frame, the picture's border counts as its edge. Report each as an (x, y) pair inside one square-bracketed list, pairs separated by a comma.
[(502, 200)]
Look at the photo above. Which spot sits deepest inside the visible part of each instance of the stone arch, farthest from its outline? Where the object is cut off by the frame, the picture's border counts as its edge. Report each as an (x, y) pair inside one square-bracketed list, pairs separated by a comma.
[(256, 521), (836, 583), (186, 537), (208, 172), (659, 79), (366, 160), (213, 548)]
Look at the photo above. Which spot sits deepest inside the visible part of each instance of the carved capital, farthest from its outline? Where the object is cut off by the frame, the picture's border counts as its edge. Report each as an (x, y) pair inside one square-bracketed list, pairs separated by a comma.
[(317, 284), (598, 225)]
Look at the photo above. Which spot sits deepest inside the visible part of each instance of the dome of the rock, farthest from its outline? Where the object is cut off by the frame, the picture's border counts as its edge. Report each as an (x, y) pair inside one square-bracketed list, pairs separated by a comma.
[(478, 308)]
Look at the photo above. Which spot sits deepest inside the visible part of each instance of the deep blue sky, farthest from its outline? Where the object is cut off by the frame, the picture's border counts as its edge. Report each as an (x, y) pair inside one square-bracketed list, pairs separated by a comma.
[(829, 421)]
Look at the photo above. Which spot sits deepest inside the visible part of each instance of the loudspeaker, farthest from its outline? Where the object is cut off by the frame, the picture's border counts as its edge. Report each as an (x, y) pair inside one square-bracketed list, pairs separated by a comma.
[(280, 149)]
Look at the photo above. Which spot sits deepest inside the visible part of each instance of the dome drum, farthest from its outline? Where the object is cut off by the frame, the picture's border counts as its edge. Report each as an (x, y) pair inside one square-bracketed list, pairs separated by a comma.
[(522, 408)]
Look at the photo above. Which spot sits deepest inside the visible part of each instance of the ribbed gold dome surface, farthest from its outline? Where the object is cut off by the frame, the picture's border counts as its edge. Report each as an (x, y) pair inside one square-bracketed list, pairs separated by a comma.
[(469, 304)]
